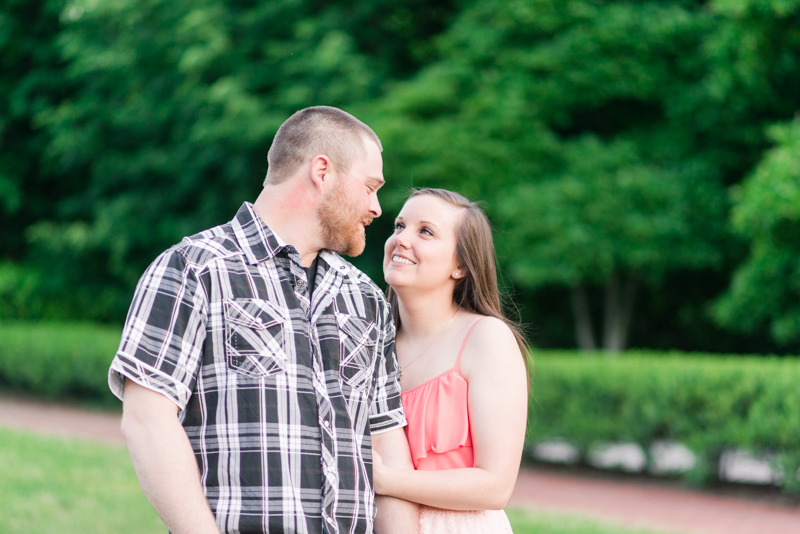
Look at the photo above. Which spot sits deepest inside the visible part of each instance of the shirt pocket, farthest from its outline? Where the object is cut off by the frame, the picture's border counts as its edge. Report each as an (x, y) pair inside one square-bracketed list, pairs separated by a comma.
[(254, 337), (358, 339)]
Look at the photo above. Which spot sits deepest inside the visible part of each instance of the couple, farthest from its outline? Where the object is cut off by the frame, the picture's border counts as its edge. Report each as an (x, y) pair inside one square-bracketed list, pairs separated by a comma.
[(261, 389)]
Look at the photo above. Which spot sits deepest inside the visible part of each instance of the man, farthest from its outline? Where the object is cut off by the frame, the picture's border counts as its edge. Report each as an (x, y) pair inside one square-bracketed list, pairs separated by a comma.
[(253, 352)]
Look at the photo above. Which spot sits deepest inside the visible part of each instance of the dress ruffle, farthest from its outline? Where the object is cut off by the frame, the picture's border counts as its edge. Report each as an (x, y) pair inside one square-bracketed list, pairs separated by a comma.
[(437, 521), (438, 423)]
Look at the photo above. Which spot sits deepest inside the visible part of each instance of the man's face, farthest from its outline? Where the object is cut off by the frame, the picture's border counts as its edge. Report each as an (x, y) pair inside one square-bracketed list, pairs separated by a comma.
[(352, 204)]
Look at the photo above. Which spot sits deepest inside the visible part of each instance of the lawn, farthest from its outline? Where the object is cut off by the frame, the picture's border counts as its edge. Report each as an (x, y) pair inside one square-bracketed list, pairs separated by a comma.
[(70, 487), (538, 522), (76, 486)]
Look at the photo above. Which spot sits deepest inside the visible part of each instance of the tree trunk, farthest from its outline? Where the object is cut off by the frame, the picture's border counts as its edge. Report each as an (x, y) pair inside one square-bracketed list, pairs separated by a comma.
[(620, 295), (628, 298), (583, 319)]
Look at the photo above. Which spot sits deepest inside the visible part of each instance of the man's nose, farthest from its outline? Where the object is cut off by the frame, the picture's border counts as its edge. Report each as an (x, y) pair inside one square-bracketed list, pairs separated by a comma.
[(375, 206)]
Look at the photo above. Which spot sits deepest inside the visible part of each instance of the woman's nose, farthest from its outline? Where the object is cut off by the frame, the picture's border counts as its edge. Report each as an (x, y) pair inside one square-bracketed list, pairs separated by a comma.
[(400, 241)]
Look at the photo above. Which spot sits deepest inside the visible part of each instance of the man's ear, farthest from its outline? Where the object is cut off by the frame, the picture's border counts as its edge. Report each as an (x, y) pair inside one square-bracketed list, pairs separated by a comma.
[(321, 173)]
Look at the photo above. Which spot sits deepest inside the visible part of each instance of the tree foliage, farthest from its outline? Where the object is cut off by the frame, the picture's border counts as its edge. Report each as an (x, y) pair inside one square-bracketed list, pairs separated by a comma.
[(766, 286), (31, 81), (174, 107), (577, 121), (603, 137)]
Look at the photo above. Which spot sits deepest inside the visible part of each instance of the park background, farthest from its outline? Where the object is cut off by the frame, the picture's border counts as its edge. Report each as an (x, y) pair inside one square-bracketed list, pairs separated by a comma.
[(639, 161)]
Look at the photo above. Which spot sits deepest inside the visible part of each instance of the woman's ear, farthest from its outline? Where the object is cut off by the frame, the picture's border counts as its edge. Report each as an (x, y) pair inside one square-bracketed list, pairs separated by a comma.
[(459, 273)]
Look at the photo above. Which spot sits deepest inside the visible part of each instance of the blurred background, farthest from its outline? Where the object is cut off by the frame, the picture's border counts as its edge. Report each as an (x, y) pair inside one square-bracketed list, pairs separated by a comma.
[(639, 161)]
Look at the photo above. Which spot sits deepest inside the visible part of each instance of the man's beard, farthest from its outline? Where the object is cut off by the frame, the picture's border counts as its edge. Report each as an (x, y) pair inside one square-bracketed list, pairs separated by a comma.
[(341, 222)]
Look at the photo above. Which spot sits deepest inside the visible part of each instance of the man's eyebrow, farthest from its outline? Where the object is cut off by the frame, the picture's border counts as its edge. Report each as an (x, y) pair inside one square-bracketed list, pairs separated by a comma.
[(378, 179)]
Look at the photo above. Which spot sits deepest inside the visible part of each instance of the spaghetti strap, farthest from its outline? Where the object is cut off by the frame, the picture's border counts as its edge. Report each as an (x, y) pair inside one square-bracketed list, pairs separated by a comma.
[(458, 360)]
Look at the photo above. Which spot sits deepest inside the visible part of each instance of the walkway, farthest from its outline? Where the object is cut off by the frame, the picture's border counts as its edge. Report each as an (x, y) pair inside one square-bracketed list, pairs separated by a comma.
[(621, 502), (646, 505)]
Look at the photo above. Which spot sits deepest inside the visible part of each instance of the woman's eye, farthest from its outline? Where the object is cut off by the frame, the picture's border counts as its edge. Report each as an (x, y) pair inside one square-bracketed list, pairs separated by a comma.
[(398, 226), (426, 231)]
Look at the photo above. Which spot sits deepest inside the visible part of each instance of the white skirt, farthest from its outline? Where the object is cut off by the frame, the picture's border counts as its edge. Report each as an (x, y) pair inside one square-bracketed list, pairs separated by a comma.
[(438, 521)]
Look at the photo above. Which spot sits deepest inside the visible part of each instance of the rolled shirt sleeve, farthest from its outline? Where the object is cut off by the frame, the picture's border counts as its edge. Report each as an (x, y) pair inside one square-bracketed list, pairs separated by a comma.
[(162, 341), (386, 412)]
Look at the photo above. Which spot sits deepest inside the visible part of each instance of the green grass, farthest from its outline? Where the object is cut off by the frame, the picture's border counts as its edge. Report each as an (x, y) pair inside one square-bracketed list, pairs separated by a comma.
[(539, 522), (72, 486)]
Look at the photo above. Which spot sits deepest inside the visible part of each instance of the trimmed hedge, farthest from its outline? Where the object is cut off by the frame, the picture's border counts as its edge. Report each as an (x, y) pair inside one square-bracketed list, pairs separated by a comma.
[(707, 402), (58, 360)]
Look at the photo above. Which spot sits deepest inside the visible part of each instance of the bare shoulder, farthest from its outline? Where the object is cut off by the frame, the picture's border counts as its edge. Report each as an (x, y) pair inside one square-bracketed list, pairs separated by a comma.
[(491, 346), (491, 332)]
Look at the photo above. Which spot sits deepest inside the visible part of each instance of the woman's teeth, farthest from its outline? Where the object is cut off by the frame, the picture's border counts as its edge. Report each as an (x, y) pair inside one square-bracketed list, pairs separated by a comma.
[(399, 259)]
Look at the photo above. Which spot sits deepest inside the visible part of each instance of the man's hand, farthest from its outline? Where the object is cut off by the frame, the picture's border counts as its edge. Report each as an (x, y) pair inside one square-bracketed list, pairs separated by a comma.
[(164, 461), (395, 516)]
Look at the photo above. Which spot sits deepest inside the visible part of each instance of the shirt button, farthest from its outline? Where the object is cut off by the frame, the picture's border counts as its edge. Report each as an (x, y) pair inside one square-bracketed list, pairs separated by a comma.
[(326, 424)]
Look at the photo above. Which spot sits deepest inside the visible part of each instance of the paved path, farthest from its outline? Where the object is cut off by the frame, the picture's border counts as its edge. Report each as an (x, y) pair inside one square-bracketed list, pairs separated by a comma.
[(60, 420), (626, 503), (644, 505)]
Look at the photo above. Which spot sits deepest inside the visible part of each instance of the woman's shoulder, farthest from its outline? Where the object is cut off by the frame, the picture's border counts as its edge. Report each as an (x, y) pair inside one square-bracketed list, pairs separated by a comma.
[(492, 337), (485, 327)]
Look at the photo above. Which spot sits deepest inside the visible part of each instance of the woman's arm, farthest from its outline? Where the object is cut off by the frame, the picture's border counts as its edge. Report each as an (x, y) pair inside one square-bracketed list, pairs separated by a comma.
[(498, 401), (394, 515)]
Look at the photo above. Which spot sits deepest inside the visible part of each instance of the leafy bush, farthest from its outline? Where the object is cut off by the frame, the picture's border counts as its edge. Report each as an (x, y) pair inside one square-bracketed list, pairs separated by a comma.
[(709, 403), (57, 360)]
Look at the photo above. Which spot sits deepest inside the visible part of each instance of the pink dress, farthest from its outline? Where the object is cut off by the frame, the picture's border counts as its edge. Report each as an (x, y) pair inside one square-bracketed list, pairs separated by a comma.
[(439, 437)]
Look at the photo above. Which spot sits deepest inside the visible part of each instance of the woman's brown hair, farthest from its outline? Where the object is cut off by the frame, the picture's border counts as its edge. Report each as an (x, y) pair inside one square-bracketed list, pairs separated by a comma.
[(477, 291)]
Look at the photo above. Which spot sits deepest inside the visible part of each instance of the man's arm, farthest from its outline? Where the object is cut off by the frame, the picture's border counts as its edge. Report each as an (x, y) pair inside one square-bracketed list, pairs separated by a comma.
[(164, 461), (395, 516)]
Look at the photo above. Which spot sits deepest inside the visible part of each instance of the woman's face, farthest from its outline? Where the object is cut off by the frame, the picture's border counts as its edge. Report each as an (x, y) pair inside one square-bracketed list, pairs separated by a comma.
[(421, 252)]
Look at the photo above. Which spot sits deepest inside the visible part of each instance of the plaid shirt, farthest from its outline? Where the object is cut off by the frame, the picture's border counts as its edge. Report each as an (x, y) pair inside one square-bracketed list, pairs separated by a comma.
[(279, 394)]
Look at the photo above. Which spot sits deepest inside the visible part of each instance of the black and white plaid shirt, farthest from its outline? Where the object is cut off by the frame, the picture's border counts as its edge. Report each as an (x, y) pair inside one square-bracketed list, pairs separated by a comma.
[(279, 394)]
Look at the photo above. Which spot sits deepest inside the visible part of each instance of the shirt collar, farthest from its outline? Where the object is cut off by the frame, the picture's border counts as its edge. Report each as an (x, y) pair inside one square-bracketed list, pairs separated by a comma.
[(259, 243), (255, 238), (336, 263)]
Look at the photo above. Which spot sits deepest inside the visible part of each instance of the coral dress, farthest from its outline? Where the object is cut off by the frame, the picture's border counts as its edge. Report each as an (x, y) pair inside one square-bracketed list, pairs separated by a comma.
[(439, 437)]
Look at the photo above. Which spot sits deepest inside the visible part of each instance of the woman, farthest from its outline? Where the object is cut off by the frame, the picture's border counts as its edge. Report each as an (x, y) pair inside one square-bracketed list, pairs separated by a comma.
[(463, 375)]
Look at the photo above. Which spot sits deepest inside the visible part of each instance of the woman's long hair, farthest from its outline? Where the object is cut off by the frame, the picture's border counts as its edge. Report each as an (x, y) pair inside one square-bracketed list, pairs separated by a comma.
[(477, 291)]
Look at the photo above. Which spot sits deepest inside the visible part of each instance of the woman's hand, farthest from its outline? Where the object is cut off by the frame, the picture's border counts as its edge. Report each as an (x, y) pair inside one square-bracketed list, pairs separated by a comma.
[(380, 473)]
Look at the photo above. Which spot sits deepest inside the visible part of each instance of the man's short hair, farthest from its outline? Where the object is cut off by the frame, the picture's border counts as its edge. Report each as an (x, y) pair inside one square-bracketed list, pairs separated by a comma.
[(314, 131)]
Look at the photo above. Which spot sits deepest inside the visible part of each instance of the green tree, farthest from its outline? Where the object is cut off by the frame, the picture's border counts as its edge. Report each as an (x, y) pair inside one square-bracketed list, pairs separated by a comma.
[(174, 107), (32, 80), (613, 219), (766, 288), (574, 121)]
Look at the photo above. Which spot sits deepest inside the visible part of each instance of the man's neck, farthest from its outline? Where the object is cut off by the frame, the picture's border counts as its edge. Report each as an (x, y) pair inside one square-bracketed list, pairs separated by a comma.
[(291, 213)]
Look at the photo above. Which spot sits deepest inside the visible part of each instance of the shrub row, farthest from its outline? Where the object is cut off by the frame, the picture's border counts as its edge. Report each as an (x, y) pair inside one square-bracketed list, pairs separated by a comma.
[(58, 360), (707, 402), (710, 403)]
